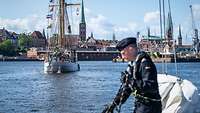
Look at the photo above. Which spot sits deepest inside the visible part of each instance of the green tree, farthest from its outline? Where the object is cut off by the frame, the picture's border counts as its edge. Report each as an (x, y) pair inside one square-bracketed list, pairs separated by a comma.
[(24, 42), (7, 48)]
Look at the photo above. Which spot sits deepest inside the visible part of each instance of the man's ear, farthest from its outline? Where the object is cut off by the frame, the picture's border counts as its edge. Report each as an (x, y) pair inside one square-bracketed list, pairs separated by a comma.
[(130, 48), (135, 52)]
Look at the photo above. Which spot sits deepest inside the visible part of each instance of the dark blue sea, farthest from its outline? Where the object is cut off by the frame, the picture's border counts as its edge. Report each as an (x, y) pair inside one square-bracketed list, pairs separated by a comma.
[(24, 88)]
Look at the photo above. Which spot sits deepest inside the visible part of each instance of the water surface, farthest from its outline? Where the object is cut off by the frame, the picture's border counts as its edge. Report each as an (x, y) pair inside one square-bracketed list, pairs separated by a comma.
[(24, 88)]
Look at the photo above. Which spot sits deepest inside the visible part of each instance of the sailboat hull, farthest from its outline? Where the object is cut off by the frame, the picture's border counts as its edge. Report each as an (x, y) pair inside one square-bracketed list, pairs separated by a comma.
[(178, 96), (61, 67)]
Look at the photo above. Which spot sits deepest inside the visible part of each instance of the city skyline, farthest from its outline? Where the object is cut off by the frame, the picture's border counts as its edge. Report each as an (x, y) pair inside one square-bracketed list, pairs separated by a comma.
[(103, 17)]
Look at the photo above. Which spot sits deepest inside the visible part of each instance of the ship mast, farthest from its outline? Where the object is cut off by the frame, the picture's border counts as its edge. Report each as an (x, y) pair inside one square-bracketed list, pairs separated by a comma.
[(62, 13), (61, 37)]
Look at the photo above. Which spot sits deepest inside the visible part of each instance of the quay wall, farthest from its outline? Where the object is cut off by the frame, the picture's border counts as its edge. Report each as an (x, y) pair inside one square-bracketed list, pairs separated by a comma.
[(10, 59), (96, 55), (172, 60), (105, 56)]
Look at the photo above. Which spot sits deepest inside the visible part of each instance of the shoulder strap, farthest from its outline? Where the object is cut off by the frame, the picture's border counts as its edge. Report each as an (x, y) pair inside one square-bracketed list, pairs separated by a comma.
[(142, 56)]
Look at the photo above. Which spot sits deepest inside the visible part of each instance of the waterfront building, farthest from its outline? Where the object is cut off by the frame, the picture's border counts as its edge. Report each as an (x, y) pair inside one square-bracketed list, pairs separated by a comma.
[(150, 43), (5, 34), (71, 41), (92, 44), (186, 49), (38, 40), (32, 53), (91, 41), (182, 49)]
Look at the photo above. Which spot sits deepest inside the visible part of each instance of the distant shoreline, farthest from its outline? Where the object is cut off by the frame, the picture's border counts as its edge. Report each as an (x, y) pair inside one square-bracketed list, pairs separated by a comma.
[(156, 60), (8, 60), (172, 60)]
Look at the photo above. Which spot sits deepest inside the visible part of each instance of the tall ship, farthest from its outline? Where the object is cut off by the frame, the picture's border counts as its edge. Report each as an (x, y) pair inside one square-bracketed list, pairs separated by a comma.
[(62, 43)]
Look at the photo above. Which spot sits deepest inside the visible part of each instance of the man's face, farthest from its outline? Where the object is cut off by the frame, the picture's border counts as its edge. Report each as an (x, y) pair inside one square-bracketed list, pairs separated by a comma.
[(129, 53)]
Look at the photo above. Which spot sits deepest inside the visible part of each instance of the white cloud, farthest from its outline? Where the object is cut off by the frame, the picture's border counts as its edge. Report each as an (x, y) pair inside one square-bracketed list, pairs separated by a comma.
[(121, 29), (196, 9), (26, 24), (130, 29), (101, 26), (151, 17), (133, 26)]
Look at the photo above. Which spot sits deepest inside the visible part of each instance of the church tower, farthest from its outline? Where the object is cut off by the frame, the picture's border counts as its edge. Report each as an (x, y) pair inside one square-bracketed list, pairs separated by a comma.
[(82, 25), (179, 37), (114, 37), (148, 32)]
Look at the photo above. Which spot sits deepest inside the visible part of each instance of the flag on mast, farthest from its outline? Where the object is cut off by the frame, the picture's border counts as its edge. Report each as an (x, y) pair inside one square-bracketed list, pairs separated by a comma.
[(49, 16), (49, 26), (51, 9)]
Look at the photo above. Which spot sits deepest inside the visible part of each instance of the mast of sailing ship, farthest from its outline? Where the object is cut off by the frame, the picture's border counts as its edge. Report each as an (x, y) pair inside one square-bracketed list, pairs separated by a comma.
[(61, 36)]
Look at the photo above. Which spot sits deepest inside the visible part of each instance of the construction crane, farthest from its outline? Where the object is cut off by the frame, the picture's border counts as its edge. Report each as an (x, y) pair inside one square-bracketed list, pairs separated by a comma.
[(195, 38)]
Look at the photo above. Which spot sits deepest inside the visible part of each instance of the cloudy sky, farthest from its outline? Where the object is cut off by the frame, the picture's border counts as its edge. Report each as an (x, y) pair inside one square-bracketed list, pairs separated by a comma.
[(103, 17)]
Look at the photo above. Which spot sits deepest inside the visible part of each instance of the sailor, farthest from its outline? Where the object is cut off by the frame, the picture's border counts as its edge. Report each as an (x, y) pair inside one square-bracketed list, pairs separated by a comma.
[(140, 79)]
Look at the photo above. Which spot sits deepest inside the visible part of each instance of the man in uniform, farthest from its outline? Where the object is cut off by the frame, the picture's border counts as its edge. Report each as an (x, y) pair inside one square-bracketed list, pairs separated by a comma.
[(140, 79)]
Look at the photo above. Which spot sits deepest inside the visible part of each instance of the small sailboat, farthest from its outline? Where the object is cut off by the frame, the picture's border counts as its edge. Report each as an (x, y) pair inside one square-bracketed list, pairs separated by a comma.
[(178, 95), (62, 57)]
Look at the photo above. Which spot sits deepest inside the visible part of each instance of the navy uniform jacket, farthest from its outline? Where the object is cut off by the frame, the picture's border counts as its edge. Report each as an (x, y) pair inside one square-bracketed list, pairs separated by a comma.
[(144, 80)]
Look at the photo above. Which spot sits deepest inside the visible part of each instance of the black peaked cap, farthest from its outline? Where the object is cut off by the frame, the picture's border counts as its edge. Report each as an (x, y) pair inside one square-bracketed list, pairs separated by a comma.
[(125, 42)]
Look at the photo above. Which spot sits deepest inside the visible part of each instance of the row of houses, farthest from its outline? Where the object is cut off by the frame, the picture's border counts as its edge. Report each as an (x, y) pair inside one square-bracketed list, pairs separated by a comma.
[(90, 44), (153, 43), (5, 34), (38, 39), (93, 44)]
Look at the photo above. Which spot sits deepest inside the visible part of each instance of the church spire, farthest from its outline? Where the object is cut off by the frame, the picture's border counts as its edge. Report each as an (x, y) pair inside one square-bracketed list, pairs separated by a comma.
[(43, 33), (114, 37), (169, 27), (179, 29), (82, 25), (179, 36), (148, 32), (82, 13)]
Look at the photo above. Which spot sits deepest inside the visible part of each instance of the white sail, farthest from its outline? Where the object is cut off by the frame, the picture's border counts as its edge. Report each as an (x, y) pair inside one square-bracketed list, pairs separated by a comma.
[(178, 96)]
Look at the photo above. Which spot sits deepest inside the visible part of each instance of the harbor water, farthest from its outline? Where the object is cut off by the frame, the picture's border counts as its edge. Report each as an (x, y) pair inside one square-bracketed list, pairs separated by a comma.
[(24, 88)]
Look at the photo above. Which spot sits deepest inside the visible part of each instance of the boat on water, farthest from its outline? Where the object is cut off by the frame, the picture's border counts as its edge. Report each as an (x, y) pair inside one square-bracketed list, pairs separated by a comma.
[(118, 60), (61, 62), (60, 67), (62, 57)]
